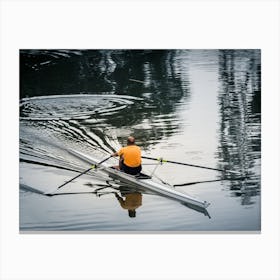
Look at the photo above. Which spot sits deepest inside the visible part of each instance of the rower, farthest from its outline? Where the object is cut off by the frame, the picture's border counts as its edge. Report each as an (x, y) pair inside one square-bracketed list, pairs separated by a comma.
[(130, 157)]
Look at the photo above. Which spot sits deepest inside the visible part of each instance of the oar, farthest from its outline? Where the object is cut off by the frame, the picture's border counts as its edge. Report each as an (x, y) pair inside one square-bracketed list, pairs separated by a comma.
[(84, 172), (188, 164)]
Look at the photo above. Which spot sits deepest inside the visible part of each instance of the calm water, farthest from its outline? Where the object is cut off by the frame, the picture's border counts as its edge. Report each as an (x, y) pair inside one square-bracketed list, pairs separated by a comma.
[(196, 106)]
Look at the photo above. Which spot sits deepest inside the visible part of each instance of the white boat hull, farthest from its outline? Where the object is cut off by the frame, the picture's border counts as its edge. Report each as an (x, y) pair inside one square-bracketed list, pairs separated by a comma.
[(145, 183)]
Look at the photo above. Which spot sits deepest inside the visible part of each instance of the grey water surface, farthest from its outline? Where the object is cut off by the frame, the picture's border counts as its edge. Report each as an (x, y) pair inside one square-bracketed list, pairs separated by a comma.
[(201, 107)]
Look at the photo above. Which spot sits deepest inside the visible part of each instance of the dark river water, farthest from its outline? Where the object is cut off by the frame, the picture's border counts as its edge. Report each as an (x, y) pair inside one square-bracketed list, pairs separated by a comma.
[(201, 107)]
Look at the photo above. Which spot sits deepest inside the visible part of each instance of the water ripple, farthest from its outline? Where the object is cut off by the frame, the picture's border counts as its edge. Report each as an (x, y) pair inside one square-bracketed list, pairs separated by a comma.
[(67, 107)]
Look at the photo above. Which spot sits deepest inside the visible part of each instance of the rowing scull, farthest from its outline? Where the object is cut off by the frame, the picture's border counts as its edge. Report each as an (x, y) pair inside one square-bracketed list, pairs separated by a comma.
[(143, 181)]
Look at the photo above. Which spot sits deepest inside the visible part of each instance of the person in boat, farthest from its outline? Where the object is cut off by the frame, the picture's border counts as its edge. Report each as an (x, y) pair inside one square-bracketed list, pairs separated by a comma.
[(131, 202), (130, 157)]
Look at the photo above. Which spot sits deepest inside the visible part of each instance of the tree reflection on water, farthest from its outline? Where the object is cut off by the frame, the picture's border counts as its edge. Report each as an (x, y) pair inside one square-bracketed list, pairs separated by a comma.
[(240, 118)]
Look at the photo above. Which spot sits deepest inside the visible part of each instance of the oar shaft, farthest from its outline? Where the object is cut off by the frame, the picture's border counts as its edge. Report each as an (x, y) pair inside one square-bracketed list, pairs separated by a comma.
[(84, 172), (194, 165), (75, 177), (187, 164), (103, 160)]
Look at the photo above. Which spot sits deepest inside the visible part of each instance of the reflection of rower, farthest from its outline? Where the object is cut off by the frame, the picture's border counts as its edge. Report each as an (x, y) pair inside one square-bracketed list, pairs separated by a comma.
[(131, 202)]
